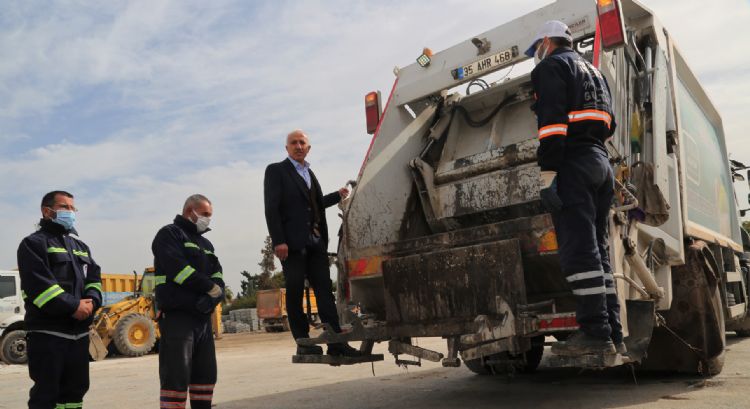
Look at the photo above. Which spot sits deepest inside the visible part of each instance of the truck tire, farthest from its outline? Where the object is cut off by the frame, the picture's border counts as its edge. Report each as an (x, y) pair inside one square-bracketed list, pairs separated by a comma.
[(696, 316), (135, 335), (532, 358), (476, 366), (13, 348), (744, 333)]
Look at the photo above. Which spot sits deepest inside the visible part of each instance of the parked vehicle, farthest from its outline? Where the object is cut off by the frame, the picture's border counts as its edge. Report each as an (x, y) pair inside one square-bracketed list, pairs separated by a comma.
[(444, 234)]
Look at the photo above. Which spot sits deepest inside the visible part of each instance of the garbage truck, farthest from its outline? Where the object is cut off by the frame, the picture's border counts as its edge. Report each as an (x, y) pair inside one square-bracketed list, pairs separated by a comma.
[(445, 236)]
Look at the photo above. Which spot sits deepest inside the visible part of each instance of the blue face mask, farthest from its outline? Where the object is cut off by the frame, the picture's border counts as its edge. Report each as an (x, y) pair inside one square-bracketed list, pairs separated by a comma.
[(65, 218)]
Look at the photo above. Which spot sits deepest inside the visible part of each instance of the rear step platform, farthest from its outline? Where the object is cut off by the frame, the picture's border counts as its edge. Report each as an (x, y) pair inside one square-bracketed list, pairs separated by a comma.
[(335, 360), (592, 361)]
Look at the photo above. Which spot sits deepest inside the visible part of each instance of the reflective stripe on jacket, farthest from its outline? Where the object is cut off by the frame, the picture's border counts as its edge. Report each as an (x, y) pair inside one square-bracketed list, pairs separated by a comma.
[(185, 266), (56, 272), (573, 106)]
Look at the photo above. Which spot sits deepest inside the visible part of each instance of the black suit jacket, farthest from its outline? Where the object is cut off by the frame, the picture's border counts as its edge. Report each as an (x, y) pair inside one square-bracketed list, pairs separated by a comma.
[(289, 213)]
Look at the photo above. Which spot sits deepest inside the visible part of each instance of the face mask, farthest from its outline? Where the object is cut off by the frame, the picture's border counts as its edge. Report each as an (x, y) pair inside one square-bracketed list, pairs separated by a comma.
[(201, 222), (539, 55), (65, 218)]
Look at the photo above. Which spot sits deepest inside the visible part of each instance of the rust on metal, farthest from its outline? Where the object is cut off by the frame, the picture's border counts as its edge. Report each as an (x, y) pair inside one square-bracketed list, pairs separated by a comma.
[(459, 283)]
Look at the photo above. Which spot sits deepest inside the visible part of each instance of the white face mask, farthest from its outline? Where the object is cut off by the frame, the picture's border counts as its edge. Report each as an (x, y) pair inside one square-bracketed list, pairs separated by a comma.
[(539, 55), (201, 222)]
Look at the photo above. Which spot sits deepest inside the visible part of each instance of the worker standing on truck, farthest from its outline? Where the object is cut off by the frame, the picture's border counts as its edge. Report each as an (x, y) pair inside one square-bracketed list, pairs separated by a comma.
[(574, 116), (62, 290), (189, 285), (296, 219)]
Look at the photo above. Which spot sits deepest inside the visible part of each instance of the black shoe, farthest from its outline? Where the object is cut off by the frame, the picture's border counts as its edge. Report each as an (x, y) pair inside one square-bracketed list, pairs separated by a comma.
[(309, 350), (582, 344), (343, 349)]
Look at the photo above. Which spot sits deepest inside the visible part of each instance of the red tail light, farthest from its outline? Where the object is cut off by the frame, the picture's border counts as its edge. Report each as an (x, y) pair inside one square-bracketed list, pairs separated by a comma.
[(372, 111), (611, 23)]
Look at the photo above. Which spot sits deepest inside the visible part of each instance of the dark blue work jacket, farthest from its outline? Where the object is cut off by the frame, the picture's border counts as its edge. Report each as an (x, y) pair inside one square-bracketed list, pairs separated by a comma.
[(56, 272), (573, 106)]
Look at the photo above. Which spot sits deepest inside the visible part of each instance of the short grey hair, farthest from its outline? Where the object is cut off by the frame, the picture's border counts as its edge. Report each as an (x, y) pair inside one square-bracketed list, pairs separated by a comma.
[(194, 200)]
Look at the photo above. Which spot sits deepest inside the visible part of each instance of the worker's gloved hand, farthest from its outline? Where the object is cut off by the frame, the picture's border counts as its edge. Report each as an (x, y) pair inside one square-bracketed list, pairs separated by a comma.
[(215, 292), (548, 191), (207, 302)]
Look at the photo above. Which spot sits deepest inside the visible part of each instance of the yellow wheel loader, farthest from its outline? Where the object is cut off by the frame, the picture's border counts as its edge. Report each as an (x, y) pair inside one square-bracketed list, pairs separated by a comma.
[(130, 323)]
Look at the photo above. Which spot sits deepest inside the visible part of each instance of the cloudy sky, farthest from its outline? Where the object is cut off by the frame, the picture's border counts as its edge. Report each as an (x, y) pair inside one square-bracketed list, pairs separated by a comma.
[(134, 105)]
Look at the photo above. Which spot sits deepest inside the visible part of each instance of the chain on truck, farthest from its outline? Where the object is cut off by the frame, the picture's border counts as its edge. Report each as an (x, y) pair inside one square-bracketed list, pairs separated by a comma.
[(444, 234)]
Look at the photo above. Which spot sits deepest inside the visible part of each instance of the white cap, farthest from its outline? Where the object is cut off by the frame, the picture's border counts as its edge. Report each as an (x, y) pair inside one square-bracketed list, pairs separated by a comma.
[(552, 28)]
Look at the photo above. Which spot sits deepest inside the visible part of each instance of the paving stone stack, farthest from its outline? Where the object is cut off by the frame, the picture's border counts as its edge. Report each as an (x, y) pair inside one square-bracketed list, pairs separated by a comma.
[(243, 320)]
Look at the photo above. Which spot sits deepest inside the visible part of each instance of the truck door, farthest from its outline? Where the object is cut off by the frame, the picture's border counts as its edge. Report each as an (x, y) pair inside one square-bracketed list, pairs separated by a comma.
[(658, 150), (10, 301)]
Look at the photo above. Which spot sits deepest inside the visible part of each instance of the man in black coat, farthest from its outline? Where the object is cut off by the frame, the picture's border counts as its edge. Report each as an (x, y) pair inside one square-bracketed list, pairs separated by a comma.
[(296, 219)]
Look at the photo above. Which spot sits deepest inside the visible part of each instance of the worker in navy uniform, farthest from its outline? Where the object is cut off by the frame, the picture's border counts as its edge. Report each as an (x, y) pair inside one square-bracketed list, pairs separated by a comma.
[(296, 219), (189, 286), (62, 290), (574, 116)]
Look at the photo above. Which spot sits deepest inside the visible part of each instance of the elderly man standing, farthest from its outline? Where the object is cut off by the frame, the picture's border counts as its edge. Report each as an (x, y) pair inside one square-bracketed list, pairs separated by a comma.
[(296, 219), (189, 285), (62, 290)]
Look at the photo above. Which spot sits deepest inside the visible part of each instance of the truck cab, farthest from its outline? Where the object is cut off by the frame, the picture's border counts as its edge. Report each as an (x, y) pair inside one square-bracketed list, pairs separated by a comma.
[(12, 334)]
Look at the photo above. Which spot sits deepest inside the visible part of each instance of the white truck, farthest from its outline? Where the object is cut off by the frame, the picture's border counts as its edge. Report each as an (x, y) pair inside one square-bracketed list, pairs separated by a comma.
[(444, 234), (12, 334)]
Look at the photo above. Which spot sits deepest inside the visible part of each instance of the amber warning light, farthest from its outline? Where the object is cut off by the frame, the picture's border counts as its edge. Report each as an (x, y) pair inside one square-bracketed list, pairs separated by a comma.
[(611, 23), (372, 111)]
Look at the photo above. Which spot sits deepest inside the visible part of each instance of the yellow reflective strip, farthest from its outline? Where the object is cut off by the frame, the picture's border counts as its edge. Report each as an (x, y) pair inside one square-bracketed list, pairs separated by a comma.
[(98, 286), (47, 295), (56, 250), (158, 280), (193, 245), (184, 274), (218, 275), (23, 295), (208, 251), (81, 253)]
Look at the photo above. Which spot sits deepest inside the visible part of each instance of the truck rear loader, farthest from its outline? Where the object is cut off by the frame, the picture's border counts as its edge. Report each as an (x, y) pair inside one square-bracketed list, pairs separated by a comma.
[(445, 236)]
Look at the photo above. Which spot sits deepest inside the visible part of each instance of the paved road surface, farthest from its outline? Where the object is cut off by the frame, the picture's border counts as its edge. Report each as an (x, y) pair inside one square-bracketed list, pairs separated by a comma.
[(255, 372)]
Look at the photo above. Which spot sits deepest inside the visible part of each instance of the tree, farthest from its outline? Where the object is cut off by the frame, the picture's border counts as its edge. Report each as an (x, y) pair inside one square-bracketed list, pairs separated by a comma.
[(249, 284), (277, 280), (267, 262), (267, 279)]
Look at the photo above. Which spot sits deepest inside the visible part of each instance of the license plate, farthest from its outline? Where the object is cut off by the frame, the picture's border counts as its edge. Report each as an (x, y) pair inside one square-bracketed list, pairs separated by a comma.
[(486, 64)]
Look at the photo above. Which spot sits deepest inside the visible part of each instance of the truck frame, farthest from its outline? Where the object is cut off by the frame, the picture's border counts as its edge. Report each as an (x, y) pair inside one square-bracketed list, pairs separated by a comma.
[(445, 236)]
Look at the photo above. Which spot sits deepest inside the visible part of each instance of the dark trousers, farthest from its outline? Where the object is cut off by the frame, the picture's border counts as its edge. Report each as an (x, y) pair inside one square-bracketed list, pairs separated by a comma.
[(310, 263), (585, 184), (59, 368), (187, 360)]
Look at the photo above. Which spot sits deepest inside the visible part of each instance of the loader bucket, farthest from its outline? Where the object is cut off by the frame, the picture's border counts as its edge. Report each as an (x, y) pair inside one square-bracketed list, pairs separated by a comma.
[(97, 349)]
